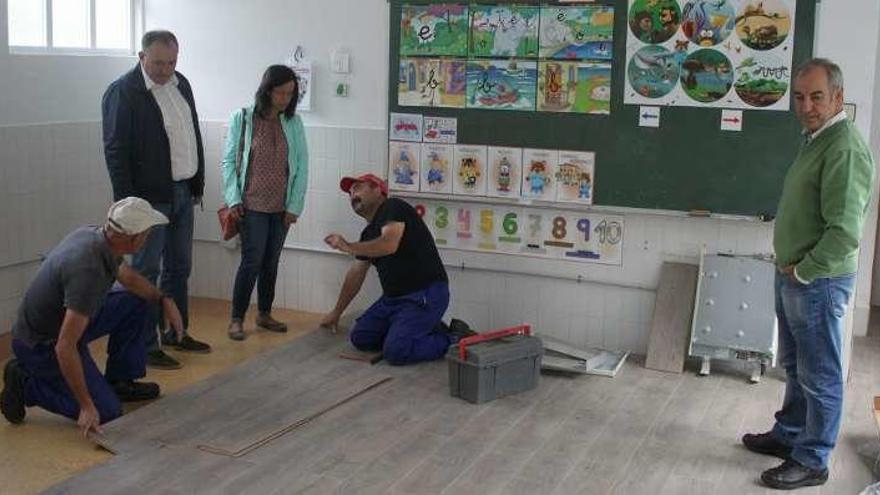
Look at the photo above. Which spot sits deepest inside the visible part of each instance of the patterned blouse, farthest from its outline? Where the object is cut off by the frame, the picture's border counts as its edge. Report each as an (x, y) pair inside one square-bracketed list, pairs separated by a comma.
[(266, 184)]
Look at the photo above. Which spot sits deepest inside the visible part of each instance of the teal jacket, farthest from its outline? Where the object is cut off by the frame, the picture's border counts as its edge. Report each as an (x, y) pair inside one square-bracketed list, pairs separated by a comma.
[(297, 160)]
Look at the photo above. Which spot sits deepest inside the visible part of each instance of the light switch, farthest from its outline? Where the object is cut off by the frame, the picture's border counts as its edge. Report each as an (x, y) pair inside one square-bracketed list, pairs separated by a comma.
[(340, 62)]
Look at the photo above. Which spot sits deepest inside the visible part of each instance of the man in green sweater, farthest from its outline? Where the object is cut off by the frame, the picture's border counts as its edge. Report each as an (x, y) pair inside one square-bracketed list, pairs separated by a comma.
[(816, 238)]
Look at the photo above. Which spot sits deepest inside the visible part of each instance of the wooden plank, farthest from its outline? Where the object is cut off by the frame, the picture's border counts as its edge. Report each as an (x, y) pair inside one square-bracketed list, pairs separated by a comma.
[(364, 356), (673, 311)]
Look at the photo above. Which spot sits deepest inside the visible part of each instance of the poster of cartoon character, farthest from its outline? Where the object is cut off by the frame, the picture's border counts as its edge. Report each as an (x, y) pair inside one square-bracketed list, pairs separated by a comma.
[(436, 168), (405, 127), (469, 171), (576, 177), (505, 170), (403, 166), (538, 174)]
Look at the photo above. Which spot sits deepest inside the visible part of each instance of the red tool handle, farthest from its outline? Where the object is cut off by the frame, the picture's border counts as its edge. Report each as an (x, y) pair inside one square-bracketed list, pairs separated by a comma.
[(496, 334)]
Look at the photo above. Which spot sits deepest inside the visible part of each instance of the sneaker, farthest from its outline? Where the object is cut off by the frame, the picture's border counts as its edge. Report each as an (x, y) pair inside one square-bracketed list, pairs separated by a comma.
[(159, 360), (132, 391), (12, 397), (189, 344), (767, 444), (265, 321), (792, 474), (235, 331)]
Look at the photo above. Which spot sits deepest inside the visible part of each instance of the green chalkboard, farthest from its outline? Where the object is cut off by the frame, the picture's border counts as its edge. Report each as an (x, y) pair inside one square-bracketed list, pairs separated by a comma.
[(687, 163)]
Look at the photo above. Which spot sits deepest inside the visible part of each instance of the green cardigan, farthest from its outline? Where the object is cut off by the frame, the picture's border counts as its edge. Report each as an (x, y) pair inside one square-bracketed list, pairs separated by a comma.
[(824, 203), (297, 160)]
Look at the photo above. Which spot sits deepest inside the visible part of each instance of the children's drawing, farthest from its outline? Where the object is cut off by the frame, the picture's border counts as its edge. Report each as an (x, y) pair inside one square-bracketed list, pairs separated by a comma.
[(762, 80), (654, 21), (504, 31), (575, 177), (429, 82), (708, 22), (405, 127), (434, 30), (579, 87), (539, 168), (436, 166), (501, 84), (706, 75), (653, 71), (441, 130), (505, 169), (469, 172), (403, 166), (763, 24), (577, 32)]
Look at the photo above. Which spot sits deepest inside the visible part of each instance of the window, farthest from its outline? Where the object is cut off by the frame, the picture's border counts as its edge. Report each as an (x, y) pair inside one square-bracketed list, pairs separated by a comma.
[(74, 26)]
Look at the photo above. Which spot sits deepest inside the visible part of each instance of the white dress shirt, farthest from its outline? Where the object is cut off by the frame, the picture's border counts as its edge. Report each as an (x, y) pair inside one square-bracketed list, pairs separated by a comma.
[(177, 117)]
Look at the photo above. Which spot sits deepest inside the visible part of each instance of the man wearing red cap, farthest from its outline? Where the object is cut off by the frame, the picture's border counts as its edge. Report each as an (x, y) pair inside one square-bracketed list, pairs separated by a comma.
[(405, 323)]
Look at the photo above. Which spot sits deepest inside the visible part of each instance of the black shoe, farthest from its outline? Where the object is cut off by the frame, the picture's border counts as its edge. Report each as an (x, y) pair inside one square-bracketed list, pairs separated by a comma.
[(131, 391), (458, 329), (792, 474), (159, 360), (189, 344), (12, 397), (767, 444)]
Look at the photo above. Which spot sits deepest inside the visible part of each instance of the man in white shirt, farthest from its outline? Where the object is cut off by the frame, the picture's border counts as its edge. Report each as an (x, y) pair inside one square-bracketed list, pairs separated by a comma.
[(153, 149)]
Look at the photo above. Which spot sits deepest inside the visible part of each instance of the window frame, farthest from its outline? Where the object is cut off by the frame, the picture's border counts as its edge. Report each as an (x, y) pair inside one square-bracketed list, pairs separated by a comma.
[(136, 29)]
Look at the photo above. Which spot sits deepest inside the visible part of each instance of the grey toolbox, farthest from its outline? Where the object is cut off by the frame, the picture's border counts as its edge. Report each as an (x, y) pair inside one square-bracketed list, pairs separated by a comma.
[(486, 366)]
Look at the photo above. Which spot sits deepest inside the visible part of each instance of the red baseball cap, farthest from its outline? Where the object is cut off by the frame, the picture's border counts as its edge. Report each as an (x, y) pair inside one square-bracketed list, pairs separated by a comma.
[(346, 183)]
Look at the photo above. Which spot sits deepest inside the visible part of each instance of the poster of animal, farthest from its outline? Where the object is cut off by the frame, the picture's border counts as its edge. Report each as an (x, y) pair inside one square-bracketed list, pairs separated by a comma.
[(403, 165), (576, 87), (502, 84), (733, 54), (431, 82), (577, 32), (436, 175), (434, 30), (504, 31), (469, 170), (505, 171), (405, 127), (440, 130), (538, 175), (576, 177)]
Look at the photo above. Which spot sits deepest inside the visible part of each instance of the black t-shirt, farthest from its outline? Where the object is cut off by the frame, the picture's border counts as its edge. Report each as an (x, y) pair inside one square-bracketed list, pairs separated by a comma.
[(416, 264)]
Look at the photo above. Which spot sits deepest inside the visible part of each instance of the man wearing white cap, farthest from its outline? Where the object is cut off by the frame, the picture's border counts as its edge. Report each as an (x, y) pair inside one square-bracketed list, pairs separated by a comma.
[(72, 301)]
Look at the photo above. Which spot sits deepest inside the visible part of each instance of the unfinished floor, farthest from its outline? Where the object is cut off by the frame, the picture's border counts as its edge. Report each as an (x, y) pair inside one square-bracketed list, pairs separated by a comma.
[(641, 432)]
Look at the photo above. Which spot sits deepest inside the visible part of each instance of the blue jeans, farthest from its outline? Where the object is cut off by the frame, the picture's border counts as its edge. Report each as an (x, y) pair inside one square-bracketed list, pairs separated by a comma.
[(171, 245), (810, 319), (127, 319), (262, 238), (405, 327)]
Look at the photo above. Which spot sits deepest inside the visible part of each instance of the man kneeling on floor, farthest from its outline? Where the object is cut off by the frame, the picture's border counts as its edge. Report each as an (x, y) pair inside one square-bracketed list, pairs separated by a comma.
[(405, 323), (72, 301)]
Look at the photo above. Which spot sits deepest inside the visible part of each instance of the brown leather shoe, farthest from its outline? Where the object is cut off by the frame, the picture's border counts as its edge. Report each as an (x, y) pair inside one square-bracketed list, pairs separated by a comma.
[(266, 322), (235, 331)]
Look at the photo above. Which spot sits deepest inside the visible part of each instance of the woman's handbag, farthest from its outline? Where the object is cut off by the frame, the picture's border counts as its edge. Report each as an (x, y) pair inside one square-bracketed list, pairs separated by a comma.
[(228, 224)]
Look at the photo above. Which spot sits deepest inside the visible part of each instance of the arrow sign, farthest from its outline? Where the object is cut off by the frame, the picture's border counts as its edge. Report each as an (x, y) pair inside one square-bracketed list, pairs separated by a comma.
[(649, 116), (731, 120)]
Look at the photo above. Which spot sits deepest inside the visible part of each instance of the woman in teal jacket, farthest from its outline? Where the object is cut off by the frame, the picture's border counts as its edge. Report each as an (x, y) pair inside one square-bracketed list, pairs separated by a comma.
[(267, 194)]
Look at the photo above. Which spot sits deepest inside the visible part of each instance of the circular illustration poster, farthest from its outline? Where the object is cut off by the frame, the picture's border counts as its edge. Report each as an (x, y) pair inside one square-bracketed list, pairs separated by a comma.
[(762, 80), (653, 71), (708, 22), (654, 21), (763, 24), (706, 75)]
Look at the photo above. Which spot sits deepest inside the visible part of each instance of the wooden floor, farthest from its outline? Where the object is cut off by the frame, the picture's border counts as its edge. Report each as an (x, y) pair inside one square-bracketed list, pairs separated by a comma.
[(641, 432)]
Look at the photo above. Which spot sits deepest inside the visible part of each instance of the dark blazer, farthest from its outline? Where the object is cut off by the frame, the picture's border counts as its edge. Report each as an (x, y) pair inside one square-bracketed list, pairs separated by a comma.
[(135, 143)]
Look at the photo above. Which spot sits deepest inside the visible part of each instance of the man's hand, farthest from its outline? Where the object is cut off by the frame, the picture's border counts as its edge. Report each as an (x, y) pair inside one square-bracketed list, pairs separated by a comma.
[(789, 270), (331, 321), (236, 213), (289, 219), (89, 420), (337, 242), (172, 316)]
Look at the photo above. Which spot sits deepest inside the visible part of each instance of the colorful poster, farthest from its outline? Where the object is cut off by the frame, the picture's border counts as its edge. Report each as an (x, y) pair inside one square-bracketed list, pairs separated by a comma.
[(431, 82), (403, 166), (508, 229), (577, 32), (465, 225), (436, 173), (440, 223), (595, 238), (441, 130), (575, 177), (538, 175), (485, 231), (501, 84), (577, 87), (434, 30), (405, 127), (504, 31), (505, 172), (469, 170), (710, 53)]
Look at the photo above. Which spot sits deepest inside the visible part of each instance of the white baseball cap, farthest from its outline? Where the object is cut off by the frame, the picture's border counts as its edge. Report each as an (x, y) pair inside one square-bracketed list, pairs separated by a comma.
[(132, 215)]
